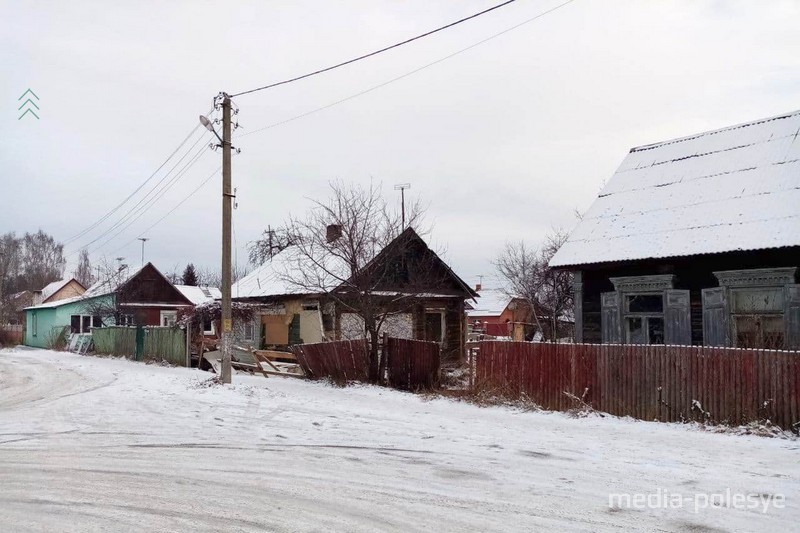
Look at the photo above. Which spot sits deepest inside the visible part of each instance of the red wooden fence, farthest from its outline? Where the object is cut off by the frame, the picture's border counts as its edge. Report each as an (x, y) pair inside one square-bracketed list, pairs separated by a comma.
[(11, 334), (341, 361), (655, 382), (411, 364)]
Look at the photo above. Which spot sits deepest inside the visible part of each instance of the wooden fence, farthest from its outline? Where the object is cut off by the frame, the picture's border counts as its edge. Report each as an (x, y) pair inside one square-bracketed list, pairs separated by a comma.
[(160, 343), (655, 382), (11, 334), (411, 364), (341, 361)]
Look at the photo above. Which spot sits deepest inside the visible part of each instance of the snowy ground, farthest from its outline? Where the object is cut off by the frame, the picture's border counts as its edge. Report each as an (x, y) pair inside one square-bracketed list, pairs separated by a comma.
[(90, 444)]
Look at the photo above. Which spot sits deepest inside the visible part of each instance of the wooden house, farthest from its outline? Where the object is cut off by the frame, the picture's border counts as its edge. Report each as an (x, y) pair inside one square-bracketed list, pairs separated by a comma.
[(429, 307), (58, 290), (695, 240), (142, 298)]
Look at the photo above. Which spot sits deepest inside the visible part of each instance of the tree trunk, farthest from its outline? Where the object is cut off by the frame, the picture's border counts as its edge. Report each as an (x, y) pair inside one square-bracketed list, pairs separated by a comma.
[(384, 361), (374, 359)]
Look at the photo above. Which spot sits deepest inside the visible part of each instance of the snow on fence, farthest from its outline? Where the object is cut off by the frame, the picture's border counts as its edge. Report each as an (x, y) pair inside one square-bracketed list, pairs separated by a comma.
[(652, 382), (341, 361), (412, 364), (160, 343)]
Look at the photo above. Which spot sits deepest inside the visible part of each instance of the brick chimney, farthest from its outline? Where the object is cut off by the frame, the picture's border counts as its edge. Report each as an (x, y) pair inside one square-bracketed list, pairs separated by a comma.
[(478, 287), (333, 232)]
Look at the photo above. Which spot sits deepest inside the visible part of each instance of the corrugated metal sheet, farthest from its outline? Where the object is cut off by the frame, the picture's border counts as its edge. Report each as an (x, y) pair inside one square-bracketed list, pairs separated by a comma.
[(732, 189)]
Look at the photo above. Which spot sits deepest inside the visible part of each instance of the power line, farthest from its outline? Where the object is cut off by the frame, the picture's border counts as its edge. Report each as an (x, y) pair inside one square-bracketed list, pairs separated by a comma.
[(131, 195), (154, 189), (407, 74), (154, 224), (161, 193), (376, 52)]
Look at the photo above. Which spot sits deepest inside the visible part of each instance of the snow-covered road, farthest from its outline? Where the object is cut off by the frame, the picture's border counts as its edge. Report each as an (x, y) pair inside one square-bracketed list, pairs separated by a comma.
[(90, 444)]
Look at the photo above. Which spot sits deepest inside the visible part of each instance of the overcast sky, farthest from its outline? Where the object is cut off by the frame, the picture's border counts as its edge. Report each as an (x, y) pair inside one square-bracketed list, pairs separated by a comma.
[(501, 142)]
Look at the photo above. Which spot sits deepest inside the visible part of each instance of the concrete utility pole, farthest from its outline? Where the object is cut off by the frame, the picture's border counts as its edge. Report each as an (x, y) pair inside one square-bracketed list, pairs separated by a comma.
[(227, 198)]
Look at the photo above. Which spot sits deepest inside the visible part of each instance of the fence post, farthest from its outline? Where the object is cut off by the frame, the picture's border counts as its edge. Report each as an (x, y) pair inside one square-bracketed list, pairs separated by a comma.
[(384, 360), (139, 352), (188, 330)]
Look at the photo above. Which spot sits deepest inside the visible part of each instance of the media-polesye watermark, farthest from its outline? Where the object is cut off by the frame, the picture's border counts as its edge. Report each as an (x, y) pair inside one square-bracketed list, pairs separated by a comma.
[(664, 499)]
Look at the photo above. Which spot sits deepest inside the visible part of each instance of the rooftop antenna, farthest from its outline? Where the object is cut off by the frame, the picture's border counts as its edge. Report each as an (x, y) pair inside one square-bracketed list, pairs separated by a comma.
[(402, 188), (144, 240)]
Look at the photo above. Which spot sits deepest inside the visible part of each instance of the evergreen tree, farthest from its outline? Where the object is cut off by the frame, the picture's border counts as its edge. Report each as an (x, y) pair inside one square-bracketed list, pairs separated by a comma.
[(189, 275)]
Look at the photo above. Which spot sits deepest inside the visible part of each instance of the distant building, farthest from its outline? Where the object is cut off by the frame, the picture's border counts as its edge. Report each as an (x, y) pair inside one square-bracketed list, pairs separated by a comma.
[(695, 241)]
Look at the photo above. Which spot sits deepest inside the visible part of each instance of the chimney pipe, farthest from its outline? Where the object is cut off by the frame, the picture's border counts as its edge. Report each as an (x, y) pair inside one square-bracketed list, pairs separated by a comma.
[(333, 232)]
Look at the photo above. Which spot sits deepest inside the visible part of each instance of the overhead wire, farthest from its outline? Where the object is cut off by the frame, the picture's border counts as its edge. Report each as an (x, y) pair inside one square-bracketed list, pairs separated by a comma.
[(376, 52), (153, 194), (407, 74)]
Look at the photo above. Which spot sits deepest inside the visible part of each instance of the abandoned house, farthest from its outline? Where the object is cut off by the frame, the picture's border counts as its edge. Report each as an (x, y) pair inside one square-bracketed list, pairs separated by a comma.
[(695, 241), (420, 295)]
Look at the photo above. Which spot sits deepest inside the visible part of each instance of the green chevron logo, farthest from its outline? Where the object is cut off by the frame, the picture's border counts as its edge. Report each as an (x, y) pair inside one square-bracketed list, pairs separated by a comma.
[(28, 104)]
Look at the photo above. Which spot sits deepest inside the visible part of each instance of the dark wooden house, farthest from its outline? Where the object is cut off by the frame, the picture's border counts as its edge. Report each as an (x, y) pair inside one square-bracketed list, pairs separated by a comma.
[(144, 297), (695, 241), (425, 296)]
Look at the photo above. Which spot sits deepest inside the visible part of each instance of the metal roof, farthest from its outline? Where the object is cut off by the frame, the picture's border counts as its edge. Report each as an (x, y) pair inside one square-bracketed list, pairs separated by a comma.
[(737, 188)]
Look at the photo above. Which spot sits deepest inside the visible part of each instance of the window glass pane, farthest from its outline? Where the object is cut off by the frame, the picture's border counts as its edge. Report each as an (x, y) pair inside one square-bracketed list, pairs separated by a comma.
[(86, 321), (75, 324), (645, 303), (97, 322), (759, 331), (635, 330), (655, 330), (757, 300)]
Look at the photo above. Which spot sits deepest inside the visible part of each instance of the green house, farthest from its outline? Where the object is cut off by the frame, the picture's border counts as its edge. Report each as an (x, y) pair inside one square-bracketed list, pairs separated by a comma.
[(46, 322)]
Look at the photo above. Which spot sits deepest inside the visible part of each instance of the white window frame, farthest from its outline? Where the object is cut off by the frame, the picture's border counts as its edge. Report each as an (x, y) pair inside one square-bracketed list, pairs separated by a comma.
[(173, 315), (80, 322), (252, 334)]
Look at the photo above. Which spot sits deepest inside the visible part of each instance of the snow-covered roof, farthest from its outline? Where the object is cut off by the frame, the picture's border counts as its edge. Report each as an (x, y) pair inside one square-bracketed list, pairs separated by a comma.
[(491, 302), (737, 188), (269, 279), (199, 295), (52, 288)]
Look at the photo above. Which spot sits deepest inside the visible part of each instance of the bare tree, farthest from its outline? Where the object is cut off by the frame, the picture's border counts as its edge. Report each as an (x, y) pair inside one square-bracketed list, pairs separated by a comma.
[(331, 252), (209, 277), (547, 291), (43, 259), (83, 273)]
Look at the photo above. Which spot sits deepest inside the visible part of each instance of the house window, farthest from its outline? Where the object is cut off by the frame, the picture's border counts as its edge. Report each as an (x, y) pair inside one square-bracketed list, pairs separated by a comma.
[(644, 319), (84, 323), (249, 331), (169, 318), (434, 326), (208, 327), (757, 316), (125, 320), (34, 324)]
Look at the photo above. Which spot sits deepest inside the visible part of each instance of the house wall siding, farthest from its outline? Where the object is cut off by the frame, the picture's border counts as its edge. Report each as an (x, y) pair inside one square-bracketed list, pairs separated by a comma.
[(691, 273)]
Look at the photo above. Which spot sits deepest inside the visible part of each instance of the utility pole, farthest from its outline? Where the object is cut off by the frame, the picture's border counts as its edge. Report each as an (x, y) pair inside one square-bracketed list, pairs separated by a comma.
[(227, 197), (402, 188), (144, 240), (225, 340)]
